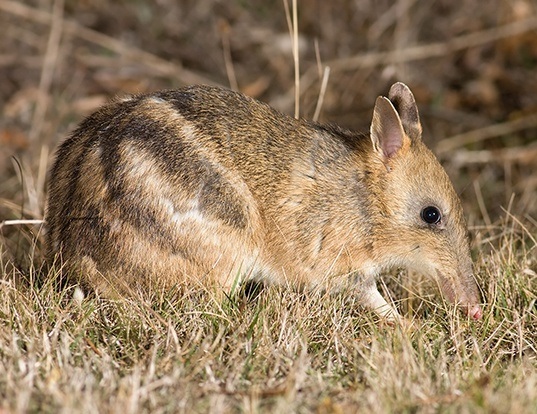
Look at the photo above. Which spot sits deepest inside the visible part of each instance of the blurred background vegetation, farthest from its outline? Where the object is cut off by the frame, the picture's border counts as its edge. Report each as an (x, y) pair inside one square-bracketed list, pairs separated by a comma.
[(471, 65)]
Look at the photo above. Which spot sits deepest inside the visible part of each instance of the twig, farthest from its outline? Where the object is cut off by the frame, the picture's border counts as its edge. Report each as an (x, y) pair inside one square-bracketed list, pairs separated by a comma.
[(131, 53), (521, 155), (318, 57), (19, 222), (322, 92), (481, 134), (296, 59), (228, 60), (292, 23)]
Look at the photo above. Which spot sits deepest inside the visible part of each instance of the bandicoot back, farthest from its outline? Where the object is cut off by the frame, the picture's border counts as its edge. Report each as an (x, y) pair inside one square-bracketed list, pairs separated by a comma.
[(205, 185)]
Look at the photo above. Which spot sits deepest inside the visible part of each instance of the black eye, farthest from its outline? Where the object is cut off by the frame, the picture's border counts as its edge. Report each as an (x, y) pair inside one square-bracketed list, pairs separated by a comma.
[(431, 215)]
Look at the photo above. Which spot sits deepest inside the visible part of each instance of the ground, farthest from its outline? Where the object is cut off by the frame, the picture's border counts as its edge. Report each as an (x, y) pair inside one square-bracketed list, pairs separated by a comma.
[(472, 69)]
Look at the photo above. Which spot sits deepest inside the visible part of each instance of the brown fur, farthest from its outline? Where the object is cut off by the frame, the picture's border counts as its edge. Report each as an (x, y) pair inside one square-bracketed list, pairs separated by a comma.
[(203, 185)]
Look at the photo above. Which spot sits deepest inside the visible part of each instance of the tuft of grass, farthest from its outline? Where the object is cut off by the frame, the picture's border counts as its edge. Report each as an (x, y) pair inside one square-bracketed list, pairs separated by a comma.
[(284, 351)]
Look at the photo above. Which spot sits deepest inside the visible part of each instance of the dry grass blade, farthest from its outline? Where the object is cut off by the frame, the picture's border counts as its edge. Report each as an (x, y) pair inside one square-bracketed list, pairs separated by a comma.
[(19, 222), (481, 134), (226, 49), (135, 55), (522, 155), (322, 92), (292, 23)]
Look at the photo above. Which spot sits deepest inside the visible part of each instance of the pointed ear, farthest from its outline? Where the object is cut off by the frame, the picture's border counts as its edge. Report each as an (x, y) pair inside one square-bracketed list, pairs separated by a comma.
[(405, 105), (387, 131)]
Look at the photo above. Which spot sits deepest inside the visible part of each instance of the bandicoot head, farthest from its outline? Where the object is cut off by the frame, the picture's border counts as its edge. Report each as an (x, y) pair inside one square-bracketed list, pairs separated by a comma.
[(422, 215)]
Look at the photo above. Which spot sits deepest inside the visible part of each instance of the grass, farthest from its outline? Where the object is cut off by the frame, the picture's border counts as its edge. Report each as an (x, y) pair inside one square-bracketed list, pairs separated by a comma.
[(286, 351), (471, 70)]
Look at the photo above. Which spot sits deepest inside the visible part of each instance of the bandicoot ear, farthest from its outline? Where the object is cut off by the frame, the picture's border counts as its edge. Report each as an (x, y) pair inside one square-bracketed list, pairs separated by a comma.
[(405, 105), (387, 132)]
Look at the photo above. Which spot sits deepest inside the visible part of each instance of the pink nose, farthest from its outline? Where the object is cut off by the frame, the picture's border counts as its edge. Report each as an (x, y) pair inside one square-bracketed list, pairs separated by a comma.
[(475, 312)]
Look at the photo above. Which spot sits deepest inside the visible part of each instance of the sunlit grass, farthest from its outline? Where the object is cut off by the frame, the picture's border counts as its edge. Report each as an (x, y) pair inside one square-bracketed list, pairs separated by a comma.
[(285, 351)]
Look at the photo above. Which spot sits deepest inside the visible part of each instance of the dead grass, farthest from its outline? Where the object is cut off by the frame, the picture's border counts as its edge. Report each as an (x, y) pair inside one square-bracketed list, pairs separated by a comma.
[(285, 352), (472, 71)]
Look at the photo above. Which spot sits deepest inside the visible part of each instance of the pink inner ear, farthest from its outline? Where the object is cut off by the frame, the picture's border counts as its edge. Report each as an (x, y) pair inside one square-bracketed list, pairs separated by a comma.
[(386, 129), (392, 141)]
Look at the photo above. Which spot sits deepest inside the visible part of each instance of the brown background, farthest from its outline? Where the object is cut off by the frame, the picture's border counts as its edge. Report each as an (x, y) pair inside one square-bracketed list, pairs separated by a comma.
[(471, 65)]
